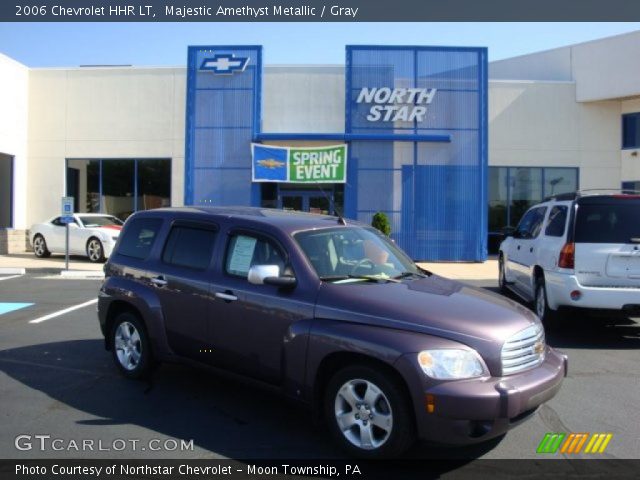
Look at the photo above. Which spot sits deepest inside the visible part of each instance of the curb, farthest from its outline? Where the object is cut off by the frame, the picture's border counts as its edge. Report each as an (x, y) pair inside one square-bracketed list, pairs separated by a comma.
[(12, 271), (94, 274)]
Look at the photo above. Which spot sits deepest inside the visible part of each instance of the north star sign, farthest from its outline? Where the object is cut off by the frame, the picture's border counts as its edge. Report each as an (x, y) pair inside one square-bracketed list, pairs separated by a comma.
[(397, 104)]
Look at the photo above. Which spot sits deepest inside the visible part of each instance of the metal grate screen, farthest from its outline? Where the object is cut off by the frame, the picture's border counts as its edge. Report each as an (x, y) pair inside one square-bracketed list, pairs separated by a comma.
[(223, 112), (433, 191)]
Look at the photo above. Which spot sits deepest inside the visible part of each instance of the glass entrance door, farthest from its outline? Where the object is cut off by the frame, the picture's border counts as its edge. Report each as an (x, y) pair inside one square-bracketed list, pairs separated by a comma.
[(306, 201)]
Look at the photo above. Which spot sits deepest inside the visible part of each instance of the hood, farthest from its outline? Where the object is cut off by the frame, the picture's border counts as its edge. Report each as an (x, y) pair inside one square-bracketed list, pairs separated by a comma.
[(433, 306)]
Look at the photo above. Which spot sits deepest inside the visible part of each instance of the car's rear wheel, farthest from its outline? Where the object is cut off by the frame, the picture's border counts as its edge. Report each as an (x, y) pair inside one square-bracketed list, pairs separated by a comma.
[(40, 247), (130, 346), (502, 279), (95, 251), (549, 317), (368, 413)]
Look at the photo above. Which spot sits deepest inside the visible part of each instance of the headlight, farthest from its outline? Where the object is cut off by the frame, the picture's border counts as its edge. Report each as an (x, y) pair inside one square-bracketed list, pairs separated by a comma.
[(450, 364)]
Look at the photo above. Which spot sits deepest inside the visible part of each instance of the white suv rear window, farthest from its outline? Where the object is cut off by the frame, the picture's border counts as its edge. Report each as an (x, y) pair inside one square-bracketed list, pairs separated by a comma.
[(610, 222)]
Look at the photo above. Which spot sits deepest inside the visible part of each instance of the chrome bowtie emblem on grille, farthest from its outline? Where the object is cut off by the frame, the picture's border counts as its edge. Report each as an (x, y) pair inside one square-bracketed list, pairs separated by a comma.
[(538, 347)]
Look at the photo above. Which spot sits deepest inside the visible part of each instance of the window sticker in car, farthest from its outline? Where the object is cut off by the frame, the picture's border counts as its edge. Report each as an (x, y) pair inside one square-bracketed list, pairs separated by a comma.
[(242, 254)]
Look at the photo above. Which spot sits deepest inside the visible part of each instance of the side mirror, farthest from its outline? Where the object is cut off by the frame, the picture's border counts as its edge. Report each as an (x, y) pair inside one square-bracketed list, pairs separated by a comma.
[(269, 275), (508, 232)]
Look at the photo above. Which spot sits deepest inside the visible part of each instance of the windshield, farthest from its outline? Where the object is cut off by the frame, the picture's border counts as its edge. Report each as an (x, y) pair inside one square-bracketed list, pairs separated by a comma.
[(340, 253), (99, 221)]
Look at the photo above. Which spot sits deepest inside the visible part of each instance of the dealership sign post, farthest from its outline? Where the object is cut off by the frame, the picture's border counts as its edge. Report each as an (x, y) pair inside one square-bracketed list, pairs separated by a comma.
[(66, 217), (299, 165)]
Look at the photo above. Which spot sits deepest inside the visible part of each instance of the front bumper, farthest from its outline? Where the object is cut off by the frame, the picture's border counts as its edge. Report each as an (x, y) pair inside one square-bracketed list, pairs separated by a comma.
[(475, 410), (559, 287)]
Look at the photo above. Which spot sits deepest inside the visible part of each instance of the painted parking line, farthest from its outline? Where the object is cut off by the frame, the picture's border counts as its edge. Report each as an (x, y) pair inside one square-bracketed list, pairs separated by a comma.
[(62, 312), (6, 307), (9, 278)]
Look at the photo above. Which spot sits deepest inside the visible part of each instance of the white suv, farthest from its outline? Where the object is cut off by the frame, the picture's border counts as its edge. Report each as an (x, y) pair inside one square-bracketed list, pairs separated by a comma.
[(576, 250)]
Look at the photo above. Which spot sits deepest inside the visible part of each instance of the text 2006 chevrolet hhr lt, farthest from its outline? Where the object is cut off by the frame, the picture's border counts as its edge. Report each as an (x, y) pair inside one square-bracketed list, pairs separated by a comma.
[(333, 314)]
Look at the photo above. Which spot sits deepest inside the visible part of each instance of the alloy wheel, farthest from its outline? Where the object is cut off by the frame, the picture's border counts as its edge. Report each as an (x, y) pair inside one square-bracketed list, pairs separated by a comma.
[(94, 250), (541, 301), (38, 246), (363, 413), (128, 346)]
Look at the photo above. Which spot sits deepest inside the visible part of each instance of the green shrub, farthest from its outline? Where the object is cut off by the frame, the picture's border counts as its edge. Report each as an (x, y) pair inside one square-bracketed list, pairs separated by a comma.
[(381, 222)]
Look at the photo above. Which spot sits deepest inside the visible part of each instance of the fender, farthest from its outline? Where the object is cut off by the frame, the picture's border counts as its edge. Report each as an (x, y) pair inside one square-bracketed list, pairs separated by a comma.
[(130, 290), (330, 337)]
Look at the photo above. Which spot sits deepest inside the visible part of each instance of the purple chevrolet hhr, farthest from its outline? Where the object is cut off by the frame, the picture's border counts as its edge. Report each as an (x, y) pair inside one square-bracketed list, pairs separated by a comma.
[(333, 314)]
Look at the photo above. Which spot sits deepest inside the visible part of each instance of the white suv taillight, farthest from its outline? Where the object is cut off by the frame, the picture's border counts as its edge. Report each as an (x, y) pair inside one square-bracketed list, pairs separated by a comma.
[(567, 256)]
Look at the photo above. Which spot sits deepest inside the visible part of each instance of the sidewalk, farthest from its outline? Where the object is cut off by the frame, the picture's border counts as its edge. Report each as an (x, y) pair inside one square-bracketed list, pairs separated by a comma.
[(55, 264), (465, 271)]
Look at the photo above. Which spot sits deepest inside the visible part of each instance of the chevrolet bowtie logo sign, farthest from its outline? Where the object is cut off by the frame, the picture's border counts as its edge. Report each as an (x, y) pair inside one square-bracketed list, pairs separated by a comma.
[(225, 64)]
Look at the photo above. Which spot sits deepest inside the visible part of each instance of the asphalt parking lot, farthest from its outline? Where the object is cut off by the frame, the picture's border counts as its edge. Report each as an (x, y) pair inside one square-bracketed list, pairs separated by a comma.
[(56, 379)]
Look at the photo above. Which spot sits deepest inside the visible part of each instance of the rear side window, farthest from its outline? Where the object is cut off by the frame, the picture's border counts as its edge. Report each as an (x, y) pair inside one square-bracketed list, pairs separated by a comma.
[(617, 222), (137, 239), (189, 247), (557, 221)]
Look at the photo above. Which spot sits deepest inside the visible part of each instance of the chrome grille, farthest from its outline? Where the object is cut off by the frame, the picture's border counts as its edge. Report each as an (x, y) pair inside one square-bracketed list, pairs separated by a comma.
[(523, 351)]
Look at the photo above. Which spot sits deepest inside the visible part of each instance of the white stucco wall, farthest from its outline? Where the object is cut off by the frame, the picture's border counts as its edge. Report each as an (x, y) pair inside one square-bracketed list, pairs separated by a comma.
[(541, 124), (603, 69), (14, 101), (552, 65), (102, 113)]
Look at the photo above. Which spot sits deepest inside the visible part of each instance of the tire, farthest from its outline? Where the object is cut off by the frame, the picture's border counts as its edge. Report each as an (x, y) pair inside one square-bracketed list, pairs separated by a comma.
[(548, 317), (392, 430), (130, 346), (40, 247), (502, 279), (95, 250)]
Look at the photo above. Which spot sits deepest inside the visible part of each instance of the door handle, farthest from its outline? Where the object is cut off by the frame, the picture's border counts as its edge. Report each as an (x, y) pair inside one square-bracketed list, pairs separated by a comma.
[(226, 296), (158, 281), (531, 250), (518, 247)]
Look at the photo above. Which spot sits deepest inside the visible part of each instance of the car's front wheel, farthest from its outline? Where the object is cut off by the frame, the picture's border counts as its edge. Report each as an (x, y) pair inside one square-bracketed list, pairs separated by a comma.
[(40, 247), (130, 346), (368, 413), (95, 251)]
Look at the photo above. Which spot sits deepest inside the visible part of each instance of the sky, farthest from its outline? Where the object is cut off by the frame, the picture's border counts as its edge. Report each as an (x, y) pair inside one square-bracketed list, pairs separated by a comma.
[(165, 44)]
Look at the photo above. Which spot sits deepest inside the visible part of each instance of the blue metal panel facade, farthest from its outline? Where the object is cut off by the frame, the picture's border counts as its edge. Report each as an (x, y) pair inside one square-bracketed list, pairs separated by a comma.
[(223, 116), (433, 192)]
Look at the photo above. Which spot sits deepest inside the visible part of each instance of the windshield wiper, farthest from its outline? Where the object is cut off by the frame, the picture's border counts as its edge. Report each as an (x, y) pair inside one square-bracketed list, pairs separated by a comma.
[(370, 278), (409, 274)]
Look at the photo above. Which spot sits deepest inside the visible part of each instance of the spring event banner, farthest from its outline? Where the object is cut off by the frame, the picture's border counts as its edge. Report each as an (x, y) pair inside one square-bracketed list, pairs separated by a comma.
[(327, 164)]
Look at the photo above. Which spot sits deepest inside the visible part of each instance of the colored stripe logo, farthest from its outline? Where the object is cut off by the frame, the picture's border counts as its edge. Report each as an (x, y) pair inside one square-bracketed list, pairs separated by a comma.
[(573, 443)]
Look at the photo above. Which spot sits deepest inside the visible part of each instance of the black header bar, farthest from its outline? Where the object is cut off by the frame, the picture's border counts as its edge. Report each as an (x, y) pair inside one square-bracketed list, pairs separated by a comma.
[(316, 10)]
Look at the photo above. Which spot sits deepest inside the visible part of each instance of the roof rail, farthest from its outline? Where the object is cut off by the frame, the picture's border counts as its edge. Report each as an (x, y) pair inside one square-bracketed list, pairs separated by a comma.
[(591, 191)]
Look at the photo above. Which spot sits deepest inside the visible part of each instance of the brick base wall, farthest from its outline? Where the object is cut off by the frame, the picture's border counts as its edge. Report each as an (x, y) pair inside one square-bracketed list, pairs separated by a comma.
[(13, 241)]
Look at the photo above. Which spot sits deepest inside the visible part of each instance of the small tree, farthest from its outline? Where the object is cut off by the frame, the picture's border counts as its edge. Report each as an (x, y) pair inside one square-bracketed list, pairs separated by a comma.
[(381, 222)]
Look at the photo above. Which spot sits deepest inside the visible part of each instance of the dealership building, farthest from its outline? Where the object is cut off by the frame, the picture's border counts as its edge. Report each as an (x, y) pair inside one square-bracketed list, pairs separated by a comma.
[(452, 148)]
